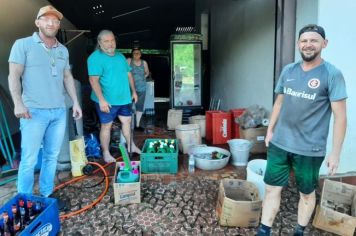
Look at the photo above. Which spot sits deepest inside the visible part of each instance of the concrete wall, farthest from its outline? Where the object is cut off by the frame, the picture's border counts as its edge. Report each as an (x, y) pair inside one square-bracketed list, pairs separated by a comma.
[(242, 52), (337, 17), (17, 21)]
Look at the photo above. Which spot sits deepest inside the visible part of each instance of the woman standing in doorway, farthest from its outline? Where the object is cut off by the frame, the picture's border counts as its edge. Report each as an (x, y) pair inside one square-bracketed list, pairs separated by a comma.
[(139, 72)]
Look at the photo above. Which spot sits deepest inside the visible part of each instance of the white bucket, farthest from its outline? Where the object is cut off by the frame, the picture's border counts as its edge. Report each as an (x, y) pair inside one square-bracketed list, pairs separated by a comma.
[(255, 172), (187, 136), (240, 150), (174, 118), (200, 120)]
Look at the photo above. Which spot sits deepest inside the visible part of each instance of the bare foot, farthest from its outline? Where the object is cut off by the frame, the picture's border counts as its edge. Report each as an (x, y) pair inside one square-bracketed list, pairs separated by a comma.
[(135, 149), (108, 158)]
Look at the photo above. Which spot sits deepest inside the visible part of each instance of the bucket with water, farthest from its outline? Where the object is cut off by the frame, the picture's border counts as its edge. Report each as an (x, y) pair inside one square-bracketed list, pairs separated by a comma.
[(187, 136), (240, 150), (255, 172)]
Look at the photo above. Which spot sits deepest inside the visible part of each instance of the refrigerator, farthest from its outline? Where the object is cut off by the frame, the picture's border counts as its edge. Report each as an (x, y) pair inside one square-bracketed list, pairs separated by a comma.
[(186, 71)]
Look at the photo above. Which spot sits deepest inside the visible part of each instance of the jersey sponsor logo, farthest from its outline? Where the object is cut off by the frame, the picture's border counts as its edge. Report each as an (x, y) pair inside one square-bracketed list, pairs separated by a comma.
[(297, 94), (313, 83)]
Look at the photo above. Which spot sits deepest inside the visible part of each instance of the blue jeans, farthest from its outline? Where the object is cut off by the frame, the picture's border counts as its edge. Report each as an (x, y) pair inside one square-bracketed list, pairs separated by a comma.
[(47, 127)]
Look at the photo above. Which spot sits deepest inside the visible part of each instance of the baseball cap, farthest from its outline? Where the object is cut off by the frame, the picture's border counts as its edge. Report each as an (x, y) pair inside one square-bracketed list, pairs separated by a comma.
[(313, 28), (49, 10)]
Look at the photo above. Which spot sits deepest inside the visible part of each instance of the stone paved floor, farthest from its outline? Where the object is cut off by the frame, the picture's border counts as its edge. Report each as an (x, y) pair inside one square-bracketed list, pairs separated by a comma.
[(182, 204)]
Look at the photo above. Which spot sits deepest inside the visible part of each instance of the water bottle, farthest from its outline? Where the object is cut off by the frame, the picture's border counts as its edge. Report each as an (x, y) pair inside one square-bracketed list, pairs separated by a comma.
[(191, 163)]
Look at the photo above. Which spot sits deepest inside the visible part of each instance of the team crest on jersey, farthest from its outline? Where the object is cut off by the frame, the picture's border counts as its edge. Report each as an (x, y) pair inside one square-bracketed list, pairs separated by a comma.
[(314, 83)]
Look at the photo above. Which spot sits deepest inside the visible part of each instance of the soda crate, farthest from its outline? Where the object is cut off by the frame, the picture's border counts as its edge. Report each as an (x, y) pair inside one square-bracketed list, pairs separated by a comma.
[(46, 223), (161, 163)]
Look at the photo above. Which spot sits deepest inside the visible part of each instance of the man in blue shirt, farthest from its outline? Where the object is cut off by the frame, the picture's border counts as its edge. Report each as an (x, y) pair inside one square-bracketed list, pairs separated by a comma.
[(43, 65), (111, 81), (308, 92)]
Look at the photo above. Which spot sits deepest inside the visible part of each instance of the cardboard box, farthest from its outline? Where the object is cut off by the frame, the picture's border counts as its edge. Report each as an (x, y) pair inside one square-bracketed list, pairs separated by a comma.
[(46, 223), (336, 196), (238, 203), (257, 137), (126, 193)]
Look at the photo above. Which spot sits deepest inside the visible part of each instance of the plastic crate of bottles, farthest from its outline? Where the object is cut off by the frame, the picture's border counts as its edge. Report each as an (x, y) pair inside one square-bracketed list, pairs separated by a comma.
[(26, 214), (160, 156)]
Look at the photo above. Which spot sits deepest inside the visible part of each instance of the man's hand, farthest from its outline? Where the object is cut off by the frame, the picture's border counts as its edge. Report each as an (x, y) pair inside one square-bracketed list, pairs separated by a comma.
[(104, 106), (268, 138), (332, 162), (77, 111), (21, 111), (134, 97)]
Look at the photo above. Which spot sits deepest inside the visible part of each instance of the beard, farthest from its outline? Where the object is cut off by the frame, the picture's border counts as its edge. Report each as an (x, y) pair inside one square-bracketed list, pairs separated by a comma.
[(110, 51), (50, 33), (309, 58)]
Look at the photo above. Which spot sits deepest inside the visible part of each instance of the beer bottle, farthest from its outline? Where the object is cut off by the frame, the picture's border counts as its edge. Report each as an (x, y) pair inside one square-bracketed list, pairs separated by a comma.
[(7, 225), (31, 213), (1, 228), (22, 214), (16, 224)]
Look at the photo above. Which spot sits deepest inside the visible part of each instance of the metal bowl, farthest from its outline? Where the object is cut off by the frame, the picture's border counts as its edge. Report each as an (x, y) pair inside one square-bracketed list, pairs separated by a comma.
[(206, 164)]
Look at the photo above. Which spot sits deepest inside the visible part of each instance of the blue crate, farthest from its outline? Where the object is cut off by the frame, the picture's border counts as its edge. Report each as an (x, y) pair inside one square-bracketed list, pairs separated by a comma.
[(46, 223)]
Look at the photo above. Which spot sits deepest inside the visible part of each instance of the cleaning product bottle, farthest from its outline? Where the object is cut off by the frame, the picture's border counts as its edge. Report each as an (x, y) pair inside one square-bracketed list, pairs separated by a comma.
[(136, 173), (134, 165)]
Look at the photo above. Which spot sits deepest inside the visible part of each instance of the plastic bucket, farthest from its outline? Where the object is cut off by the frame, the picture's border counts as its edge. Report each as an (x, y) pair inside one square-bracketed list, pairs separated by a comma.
[(240, 150), (200, 120), (187, 136), (255, 172), (174, 118)]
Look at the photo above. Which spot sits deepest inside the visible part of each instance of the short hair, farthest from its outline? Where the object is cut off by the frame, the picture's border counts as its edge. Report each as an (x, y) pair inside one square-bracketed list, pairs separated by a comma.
[(100, 36)]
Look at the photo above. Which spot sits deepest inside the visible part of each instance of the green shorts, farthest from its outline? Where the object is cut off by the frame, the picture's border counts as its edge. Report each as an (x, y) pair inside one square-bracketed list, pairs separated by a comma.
[(280, 163)]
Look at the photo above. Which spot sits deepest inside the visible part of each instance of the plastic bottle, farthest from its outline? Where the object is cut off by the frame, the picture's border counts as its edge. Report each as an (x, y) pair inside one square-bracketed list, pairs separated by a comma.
[(136, 173), (121, 166), (161, 149), (134, 165), (191, 163)]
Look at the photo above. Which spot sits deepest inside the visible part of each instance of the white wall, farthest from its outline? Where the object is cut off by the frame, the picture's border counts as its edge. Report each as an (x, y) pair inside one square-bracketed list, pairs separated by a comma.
[(17, 19), (242, 52), (337, 18)]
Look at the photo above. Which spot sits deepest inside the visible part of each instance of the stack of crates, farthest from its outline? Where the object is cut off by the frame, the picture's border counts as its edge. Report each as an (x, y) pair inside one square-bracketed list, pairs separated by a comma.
[(218, 127), (161, 163)]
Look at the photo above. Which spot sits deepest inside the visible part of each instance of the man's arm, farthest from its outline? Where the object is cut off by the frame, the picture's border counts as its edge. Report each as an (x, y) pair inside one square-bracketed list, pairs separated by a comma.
[(274, 117), (70, 87), (95, 85), (132, 86), (339, 111), (15, 73)]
